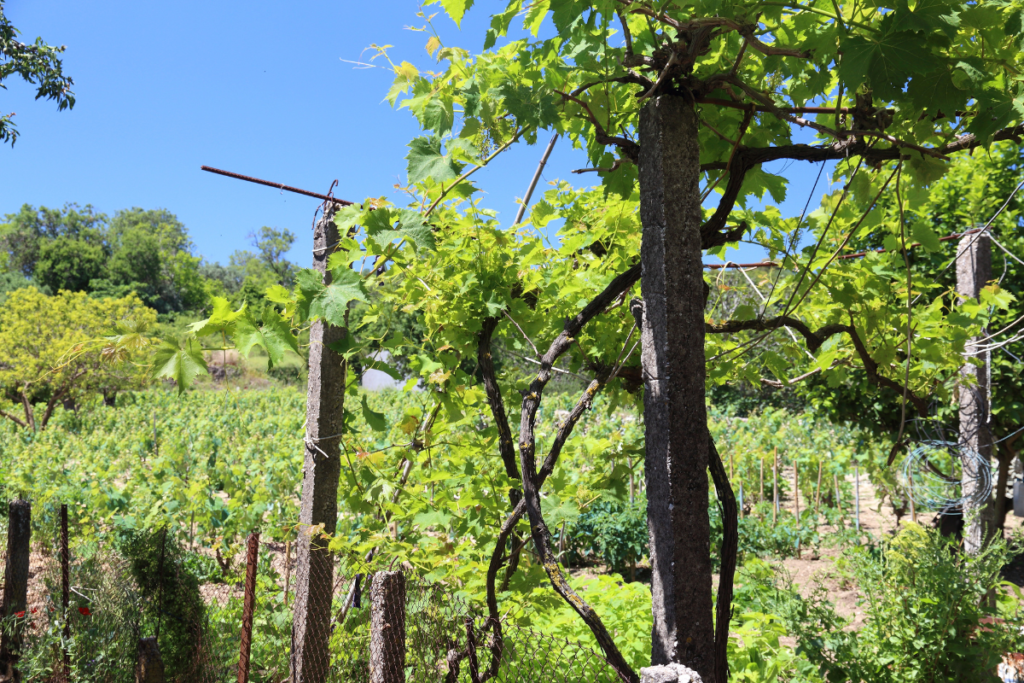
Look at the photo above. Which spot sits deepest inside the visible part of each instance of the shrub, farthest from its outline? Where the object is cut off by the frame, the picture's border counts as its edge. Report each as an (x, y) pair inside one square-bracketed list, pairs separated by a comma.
[(612, 533), (929, 615)]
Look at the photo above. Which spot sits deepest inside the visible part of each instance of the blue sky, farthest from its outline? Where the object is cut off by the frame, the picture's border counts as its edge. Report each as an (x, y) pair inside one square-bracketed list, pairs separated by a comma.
[(258, 88)]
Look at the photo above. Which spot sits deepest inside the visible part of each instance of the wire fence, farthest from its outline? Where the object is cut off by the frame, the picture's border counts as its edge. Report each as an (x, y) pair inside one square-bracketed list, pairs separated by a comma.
[(140, 613)]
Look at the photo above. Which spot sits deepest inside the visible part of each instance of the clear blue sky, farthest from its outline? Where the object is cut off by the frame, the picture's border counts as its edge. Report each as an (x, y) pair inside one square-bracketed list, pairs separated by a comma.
[(258, 88)]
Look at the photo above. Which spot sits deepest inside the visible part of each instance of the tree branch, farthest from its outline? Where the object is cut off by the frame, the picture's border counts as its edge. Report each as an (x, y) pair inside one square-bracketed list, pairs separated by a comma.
[(506, 446), (12, 418), (814, 341), (727, 572), (630, 149)]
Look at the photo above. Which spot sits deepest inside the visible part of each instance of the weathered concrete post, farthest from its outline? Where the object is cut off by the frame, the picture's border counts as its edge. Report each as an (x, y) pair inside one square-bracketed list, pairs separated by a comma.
[(15, 596), (387, 628), (325, 397), (675, 416), (150, 666), (248, 606), (973, 271)]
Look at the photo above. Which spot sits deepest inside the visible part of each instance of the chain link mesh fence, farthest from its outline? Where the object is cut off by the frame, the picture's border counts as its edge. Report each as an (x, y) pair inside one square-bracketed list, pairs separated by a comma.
[(141, 612)]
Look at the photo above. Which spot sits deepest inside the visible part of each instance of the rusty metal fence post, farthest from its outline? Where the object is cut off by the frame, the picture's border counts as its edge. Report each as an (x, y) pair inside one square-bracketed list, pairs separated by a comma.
[(251, 558), (15, 595), (65, 587), (387, 628)]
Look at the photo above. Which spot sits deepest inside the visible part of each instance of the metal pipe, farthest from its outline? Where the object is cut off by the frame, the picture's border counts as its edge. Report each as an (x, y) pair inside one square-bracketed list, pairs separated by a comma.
[(286, 188)]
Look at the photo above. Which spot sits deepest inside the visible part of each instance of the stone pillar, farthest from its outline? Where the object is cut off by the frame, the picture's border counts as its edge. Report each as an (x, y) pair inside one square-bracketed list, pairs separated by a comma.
[(973, 271)]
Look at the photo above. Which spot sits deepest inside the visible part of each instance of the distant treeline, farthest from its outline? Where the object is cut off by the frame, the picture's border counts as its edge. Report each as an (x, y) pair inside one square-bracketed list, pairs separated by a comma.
[(147, 252)]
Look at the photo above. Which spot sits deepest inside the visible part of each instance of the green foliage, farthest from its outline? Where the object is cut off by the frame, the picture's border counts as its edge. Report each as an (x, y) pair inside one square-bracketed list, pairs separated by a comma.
[(71, 264), (169, 595), (147, 253), (24, 233), (615, 533), (927, 614), (49, 350), (38, 64)]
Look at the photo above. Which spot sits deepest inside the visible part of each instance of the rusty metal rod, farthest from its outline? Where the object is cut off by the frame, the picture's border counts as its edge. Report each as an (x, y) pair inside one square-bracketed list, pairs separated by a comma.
[(286, 188), (859, 254), (248, 606)]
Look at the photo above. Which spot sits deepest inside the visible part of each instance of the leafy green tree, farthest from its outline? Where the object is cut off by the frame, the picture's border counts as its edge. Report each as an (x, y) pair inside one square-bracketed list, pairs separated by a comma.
[(45, 350), (272, 244), (23, 234), (70, 263), (170, 232), (672, 102), (691, 94), (38, 64), (973, 190)]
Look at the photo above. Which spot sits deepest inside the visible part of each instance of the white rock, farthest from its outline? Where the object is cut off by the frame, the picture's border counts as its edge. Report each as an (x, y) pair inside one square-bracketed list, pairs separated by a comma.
[(669, 673)]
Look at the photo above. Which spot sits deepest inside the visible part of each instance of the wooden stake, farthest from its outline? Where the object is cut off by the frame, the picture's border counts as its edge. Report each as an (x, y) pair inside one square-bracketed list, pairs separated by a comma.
[(796, 489), (775, 484), (817, 493), (248, 606), (761, 490), (387, 628), (287, 569), (65, 586), (796, 501), (910, 496), (856, 493)]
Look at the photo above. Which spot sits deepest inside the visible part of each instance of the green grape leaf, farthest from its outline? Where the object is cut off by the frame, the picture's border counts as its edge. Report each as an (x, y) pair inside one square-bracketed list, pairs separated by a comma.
[(456, 9), (221, 320), (936, 92), (378, 221), (886, 62), (331, 302), (426, 161), (346, 346), (279, 295), (436, 116), (374, 419), (923, 233), (347, 217), (274, 336), (413, 229), (181, 364)]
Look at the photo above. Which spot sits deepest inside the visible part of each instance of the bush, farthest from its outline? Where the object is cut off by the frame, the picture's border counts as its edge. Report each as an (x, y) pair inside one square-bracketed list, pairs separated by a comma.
[(612, 533), (929, 615), (171, 603)]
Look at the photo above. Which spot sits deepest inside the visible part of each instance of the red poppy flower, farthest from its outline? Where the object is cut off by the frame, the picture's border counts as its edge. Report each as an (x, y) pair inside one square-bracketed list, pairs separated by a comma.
[(84, 611), (20, 615), (34, 610)]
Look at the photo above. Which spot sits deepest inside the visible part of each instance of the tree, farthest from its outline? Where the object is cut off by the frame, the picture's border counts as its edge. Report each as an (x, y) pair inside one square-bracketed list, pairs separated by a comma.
[(973, 190), (70, 263), (689, 93), (45, 350), (272, 245), (38, 64), (24, 233), (143, 251), (152, 256)]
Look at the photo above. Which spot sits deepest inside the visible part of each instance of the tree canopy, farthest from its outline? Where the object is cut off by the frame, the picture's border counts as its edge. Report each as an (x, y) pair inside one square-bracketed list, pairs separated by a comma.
[(38, 64), (46, 345)]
